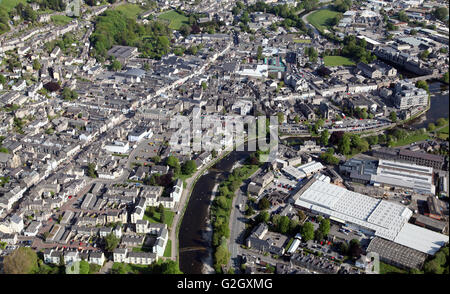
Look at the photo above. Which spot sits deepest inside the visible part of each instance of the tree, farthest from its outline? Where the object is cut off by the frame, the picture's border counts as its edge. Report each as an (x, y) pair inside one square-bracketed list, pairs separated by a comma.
[(36, 65), (307, 232), (170, 267), (84, 267), (441, 13), (393, 116), (259, 54), (185, 30), (344, 145), (160, 208), (91, 170), (355, 249), (424, 54), (204, 86), (111, 242), (214, 153), (324, 137), (2, 79), (23, 260), (116, 65), (156, 159), (402, 16), (445, 78), (431, 127), (263, 216), (324, 226), (423, 85), (343, 248), (263, 204), (441, 121), (283, 225), (189, 167), (172, 161), (318, 235)]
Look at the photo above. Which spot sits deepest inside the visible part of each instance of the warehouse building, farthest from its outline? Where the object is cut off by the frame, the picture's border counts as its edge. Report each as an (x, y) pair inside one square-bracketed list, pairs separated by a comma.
[(387, 173), (373, 217), (396, 254)]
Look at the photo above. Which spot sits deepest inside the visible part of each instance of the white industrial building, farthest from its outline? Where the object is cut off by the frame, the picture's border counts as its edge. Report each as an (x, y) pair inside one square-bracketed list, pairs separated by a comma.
[(118, 147), (303, 171), (371, 216)]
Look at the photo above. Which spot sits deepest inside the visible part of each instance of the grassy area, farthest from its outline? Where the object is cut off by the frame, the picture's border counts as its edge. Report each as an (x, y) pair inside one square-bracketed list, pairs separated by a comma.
[(443, 133), (168, 250), (10, 4), (320, 19), (337, 61), (60, 19), (133, 268), (142, 249), (175, 19), (389, 269), (411, 139), (155, 218), (301, 41), (130, 10)]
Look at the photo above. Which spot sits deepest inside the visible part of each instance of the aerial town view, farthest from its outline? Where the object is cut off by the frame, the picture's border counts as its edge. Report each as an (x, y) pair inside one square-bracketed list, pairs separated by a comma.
[(224, 137)]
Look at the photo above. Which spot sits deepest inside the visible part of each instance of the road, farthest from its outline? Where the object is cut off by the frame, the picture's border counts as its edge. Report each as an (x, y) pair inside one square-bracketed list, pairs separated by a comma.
[(237, 224)]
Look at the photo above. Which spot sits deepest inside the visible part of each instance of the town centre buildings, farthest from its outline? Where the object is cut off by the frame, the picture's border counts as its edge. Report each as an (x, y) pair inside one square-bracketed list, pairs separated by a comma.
[(372, 216)]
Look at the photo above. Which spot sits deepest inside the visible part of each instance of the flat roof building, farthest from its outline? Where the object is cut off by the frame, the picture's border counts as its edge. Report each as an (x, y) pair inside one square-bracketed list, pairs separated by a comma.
[(371, 216)]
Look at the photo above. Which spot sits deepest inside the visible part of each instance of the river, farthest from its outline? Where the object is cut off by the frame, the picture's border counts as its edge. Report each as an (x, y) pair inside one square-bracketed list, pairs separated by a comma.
[(438, 108), (195, 244)]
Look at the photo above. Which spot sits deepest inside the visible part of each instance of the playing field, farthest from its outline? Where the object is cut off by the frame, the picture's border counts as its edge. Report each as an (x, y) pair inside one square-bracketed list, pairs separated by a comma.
[(320, 18), (337, 61), (60, 19), (175, 19), (130, 10), (10, 4)]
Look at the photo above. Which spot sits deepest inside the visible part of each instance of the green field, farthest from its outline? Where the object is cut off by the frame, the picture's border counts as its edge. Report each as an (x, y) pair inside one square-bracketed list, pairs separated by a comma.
[(389, 269), (176, 19), (301, 41), (10, 4), (155, 219), (337, 61), (168, 250), (443, 133), (411, 139), (320, 18), (60, 19), (130, 10)]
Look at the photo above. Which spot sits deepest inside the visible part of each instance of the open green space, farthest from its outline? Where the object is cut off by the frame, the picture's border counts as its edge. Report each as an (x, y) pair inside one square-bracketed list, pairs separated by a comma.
[(389, 269), (142, 249), (302, 41), (156, 217), (175, 19), (320, 19), (443, 133), (337, 61), (130, 10), (168, 250), (60, 19), (411, 139), (10, 4)]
